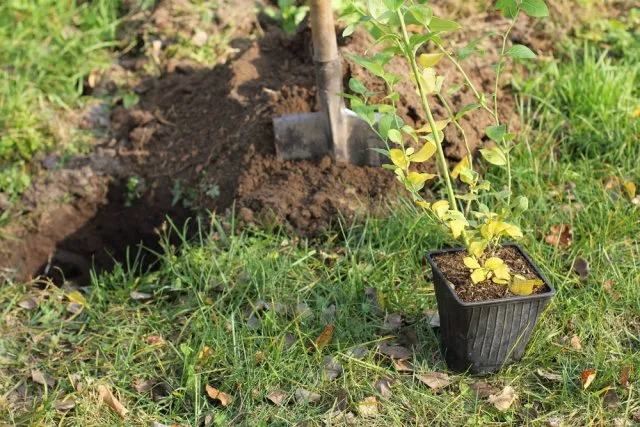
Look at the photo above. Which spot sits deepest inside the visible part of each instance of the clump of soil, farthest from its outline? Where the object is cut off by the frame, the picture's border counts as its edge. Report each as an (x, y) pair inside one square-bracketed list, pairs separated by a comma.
[(452, 266)]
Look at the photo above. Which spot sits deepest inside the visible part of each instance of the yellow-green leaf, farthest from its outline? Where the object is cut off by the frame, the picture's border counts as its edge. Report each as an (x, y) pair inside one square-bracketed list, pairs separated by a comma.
[(416, 178), (494, 155), (429, 80), (429, 59), (471, 262), (440, 208), (478, 275), (457, 227), (422, 204), (440, 124), (462, 164), (398, 158), (630, 188), (513, 231), (424, 153), (493, 263), (523, 286), (477, 248), (77, 297), (502, 273)]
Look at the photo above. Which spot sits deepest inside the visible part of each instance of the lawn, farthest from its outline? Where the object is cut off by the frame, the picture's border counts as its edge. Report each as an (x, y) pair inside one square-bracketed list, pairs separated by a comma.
[(251, 326)]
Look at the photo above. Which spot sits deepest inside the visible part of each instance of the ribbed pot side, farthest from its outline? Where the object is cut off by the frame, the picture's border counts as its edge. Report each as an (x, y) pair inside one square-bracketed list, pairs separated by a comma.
[(484, 336)]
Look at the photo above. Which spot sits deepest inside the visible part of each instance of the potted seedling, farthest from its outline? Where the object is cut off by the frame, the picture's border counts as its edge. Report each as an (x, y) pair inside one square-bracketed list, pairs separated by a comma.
[(489, 292)]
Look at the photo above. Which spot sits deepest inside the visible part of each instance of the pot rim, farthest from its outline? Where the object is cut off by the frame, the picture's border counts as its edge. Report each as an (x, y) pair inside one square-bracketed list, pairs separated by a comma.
[(548, 294)]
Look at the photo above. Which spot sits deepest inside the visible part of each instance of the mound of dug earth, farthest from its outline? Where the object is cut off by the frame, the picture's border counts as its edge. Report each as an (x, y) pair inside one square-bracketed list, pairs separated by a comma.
[(214, 125)]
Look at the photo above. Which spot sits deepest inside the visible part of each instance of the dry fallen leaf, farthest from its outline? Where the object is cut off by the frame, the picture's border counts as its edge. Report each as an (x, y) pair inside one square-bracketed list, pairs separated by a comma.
[(611, 398), (581, 268), (394, 351), (142, 386), (276, 396), (74, 307), (324, 338), (332, 368), (224, 398), (587, 377), (42, 378), (199, 38), (608, 285), (154, 340), (28, 303), (107, 397), (483, 390), (575, 343), (504, 400), (306, 396), (205, 354), (435, 380), (625, 375), (403, 365), (383, 386), (358, 352), (392, 322), (549, 375), (65, 405), (368, 407), (560, 235), (135, 295)]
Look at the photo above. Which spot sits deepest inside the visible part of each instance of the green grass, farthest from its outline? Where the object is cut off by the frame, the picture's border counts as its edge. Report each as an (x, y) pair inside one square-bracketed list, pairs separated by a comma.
[(580, 135), (47, 48)]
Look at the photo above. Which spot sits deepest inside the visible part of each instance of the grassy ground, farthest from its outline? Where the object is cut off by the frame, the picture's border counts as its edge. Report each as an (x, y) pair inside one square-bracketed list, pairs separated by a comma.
[(240, 310), (47, 49)]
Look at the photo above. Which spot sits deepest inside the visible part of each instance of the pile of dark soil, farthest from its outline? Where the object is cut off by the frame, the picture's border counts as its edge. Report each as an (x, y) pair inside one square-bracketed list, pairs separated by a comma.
[(201, 139)]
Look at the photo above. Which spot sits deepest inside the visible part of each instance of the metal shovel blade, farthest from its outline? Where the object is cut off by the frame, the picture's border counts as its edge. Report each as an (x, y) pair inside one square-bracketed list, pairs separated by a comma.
[(307, 136)]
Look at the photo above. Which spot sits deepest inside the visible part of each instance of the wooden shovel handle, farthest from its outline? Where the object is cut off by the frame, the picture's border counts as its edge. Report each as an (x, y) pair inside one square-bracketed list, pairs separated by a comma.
[(323, 33)]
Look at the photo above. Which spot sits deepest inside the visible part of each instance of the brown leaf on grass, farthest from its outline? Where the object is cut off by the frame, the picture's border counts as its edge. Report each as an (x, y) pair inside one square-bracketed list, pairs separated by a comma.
[(142, 386), (504, 400), (625, 375), (394, 351), (383, 386), (368, 407), (42, 378), (75, 307), (358, 352), (140, 296), (581, 268), (391, 323), (549, 375), (575, 343), (65, 405), (332, 368), (324, 338), (608, 285), (483, 390), (277, 396), (204, 354), (224, 398), (154, 340), (403, 365), (587, 378), (611, 398), (107, 397), (435, 380), (28, 303), (560, 235), (433, 317), (306, 396)]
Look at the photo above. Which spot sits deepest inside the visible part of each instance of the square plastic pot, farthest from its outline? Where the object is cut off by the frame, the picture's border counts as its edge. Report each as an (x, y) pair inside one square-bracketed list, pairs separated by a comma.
[(484, 336)]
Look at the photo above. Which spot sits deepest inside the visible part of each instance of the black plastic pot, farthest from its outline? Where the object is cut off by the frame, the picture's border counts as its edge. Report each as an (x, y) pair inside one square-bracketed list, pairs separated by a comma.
[(484, 336)]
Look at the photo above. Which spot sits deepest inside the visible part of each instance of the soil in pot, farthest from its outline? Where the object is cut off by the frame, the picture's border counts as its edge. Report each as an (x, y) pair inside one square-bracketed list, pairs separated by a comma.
[(452, 266)]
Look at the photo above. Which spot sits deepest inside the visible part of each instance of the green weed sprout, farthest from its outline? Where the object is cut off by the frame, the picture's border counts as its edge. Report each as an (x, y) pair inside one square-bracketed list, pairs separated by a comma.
[(288, 15), (480, 226)]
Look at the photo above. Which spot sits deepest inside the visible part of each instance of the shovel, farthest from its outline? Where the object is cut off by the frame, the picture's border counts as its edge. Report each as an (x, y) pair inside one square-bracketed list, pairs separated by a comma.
[(335, 130)]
